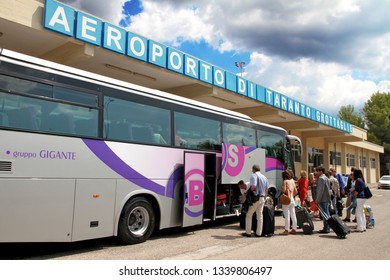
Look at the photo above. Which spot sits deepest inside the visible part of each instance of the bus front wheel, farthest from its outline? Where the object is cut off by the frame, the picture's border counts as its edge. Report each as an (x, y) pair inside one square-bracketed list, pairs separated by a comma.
[(137, 221)]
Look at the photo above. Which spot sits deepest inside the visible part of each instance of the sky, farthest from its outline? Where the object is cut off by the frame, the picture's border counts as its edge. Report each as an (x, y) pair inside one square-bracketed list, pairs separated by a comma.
[(325, 54)]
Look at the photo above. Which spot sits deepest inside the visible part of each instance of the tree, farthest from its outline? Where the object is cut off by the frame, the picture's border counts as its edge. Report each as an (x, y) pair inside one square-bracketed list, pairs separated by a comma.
[(348, 114), (377, 116)]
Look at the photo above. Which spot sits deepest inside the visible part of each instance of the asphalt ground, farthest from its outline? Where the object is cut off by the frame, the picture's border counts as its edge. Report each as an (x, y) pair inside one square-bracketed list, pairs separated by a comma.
[(223, 240)]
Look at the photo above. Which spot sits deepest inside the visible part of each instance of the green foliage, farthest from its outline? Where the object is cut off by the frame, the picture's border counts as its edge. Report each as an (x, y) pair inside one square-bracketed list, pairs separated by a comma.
[(348, 114), (377, 116)]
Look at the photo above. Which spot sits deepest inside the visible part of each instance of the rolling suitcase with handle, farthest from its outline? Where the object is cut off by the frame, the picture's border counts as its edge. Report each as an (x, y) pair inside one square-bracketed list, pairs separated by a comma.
[(304, 220), (336, 224)]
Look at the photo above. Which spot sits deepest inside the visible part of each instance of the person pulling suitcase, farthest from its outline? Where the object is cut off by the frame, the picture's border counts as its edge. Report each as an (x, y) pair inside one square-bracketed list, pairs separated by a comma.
[(323, 199)]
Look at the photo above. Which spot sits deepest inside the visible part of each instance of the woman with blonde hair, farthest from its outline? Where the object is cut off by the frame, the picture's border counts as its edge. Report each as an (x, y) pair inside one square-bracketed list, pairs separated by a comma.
[(289, 210)]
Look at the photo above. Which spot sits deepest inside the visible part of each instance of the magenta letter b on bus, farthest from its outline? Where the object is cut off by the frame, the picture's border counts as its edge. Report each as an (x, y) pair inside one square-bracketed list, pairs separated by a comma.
[(195, 195)]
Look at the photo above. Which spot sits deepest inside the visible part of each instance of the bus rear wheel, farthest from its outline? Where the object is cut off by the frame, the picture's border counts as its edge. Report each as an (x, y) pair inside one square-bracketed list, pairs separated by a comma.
[(137, 221)]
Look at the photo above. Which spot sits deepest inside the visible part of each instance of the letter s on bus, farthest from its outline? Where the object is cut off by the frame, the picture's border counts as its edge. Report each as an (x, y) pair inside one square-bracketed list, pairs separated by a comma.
[(233, 156), (235, 160)]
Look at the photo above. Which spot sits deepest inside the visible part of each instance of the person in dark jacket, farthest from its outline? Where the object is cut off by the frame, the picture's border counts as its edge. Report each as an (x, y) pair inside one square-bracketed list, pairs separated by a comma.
[(360, 185), (350, 184), (323, 196)]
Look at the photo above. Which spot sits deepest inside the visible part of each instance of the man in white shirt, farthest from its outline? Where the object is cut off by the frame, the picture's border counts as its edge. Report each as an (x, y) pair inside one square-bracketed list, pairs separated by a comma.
[(259, 186)]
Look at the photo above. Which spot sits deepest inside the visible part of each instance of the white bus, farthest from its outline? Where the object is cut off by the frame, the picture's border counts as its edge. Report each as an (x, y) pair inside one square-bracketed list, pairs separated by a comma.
[(84, 156)]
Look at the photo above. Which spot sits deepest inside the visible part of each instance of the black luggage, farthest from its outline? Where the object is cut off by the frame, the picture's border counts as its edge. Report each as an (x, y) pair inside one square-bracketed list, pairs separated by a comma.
[(242, 221), (304, 220), (340, 207), (268, 221), (337, 225)]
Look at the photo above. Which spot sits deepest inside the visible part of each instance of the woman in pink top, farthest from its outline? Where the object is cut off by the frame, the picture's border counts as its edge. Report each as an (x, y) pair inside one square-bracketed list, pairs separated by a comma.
[(289, 210)]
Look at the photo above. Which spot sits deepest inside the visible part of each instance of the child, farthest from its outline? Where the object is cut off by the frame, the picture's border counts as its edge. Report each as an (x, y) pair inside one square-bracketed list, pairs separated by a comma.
[(369, 216)]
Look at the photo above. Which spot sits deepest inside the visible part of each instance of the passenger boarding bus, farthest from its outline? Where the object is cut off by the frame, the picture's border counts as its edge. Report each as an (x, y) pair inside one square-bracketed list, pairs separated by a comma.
[(84, 156)]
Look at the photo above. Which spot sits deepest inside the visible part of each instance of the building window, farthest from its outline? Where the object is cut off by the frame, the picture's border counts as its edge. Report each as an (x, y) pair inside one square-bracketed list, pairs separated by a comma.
[(372, 163), (335, 158), (350, 160), (316, 156), (363, 161)]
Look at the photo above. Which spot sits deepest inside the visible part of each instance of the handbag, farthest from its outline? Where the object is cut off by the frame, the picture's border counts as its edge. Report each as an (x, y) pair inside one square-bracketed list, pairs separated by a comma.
[(313, 206), (367, 192), (245, 207), (285, 198), (249, 200)]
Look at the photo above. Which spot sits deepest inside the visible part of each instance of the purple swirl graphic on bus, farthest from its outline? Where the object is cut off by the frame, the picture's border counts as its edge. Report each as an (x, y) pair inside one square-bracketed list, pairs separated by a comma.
[(175, 180), (192, 214), (106, 155), (273, 164)]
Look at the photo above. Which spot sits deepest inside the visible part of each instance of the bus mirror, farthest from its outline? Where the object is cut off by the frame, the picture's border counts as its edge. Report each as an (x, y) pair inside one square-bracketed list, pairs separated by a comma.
[(298, 142)]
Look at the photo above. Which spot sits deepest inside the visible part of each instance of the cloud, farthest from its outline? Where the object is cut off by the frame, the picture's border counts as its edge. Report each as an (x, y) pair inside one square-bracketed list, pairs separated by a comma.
[(323, 53), (325, 86), (111, 11), (165, 24)]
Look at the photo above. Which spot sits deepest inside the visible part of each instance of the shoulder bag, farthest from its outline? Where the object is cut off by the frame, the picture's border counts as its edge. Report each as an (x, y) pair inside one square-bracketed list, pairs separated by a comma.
[(367, 192), (250, 199), (285, 197)]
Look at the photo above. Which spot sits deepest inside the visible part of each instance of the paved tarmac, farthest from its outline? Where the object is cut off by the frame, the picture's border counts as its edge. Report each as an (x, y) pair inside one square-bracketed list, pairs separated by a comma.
[(223, 241)]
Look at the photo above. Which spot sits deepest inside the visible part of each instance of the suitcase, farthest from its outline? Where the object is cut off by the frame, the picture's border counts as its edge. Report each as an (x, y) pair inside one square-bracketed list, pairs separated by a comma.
[(340, 207), (304, 220), (221, 199), (337, 225), (268, 221), (254, 220), (242, 221)]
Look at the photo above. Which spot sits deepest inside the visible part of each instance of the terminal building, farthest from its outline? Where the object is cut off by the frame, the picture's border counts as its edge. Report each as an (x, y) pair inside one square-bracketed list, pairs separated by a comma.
[(53, 31)]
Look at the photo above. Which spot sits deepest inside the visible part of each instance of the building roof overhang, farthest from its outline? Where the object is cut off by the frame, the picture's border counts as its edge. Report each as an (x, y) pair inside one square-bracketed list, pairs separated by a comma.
[(21, 30)]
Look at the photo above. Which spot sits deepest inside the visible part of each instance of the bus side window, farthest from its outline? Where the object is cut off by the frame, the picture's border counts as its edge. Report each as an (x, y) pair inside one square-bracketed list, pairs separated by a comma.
[(120, 131), (4, 119), (25, 117), (86, 127), (143, 134), (62, 123)]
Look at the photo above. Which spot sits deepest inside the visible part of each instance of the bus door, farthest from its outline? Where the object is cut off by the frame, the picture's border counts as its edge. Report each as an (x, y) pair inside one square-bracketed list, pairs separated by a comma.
[(212, 173), (194, 185)]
